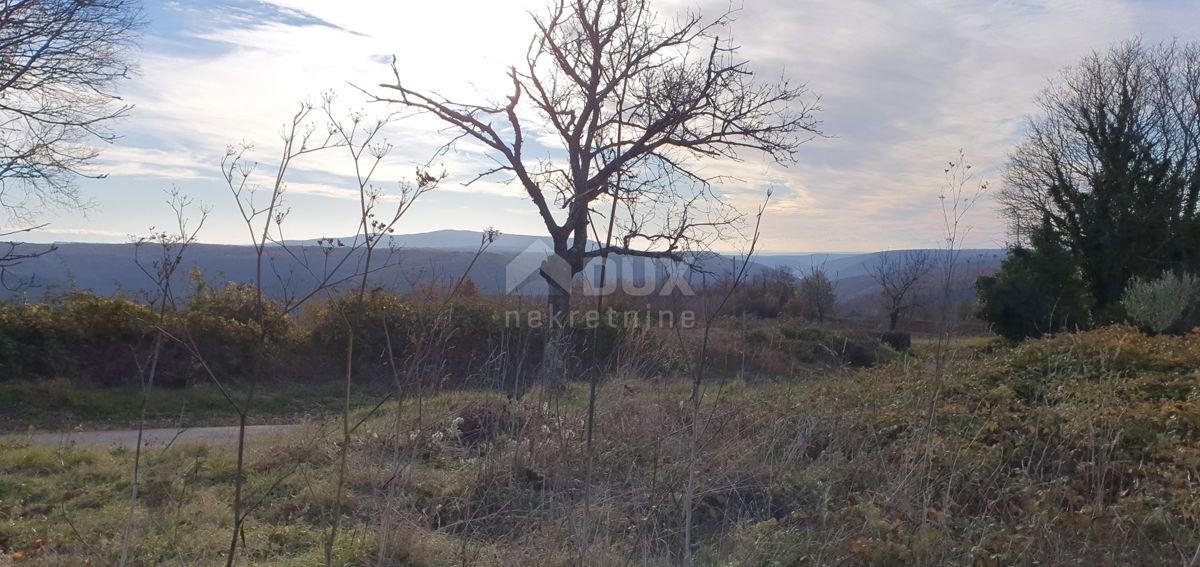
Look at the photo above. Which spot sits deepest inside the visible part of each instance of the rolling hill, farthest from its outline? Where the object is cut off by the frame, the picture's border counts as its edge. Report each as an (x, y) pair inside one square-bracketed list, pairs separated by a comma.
[(419, 259)]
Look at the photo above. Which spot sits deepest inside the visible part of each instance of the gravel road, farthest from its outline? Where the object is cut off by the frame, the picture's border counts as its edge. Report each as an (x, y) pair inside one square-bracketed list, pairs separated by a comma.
[(127, 438)]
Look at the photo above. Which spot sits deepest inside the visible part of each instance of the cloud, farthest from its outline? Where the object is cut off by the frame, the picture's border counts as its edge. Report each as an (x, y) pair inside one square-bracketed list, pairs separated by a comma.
[(321, 190), (155, 163), (903, 87)]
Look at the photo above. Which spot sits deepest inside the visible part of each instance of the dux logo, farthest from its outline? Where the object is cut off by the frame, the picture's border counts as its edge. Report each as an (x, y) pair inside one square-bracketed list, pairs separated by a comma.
[(636, 277), (536, 259)]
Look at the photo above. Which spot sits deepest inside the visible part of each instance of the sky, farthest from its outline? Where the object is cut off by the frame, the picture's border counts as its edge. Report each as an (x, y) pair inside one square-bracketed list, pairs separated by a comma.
[(903, 87)]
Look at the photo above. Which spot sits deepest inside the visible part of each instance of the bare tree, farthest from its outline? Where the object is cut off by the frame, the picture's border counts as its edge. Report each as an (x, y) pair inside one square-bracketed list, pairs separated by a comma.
[(60, 64), (624, 94), (897, 275), (818, 293)]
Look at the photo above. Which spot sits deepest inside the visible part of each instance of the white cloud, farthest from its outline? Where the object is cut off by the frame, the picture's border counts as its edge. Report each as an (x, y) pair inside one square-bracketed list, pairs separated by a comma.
[(904, 85), (155, 163)]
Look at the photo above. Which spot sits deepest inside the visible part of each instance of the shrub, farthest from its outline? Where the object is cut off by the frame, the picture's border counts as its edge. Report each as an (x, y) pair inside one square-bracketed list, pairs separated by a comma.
[(27, 344), (766, 294), (329, 325), (896, 340), (102, 340), (1038, 290), (228, 330), (465, 340), (819, 346), (1161, 304), (78, 335)]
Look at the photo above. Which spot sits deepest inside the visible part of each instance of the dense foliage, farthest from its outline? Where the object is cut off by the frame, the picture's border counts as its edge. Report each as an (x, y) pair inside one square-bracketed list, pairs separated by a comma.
[(97, 340), (474, 341), (1038, 290)]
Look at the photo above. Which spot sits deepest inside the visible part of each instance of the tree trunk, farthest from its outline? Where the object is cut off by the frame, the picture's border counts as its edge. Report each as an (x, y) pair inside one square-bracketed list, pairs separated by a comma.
[(1107, 276), (893, 320), (558, 308), (558, 315)]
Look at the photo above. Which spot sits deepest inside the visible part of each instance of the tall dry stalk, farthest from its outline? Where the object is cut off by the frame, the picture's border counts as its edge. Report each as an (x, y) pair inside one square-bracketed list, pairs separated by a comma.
[(960, 192), (263, 212), (698, 380), (160, 270), (425, 346), (367, 150), (300, 138), (594, 380)]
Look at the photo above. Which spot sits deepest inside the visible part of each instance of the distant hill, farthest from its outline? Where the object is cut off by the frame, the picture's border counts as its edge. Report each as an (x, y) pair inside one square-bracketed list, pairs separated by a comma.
[(107, 268), (421, 259), (467, 240), (854, 265)]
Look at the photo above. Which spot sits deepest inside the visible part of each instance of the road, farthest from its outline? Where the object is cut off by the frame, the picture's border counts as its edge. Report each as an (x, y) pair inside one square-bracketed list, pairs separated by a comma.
[(127, 438)]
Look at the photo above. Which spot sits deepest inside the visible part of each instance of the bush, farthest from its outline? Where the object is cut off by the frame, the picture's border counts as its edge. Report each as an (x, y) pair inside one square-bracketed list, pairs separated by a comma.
[(818, 346), (1162, 304), (375, 319), (896, 340), (1038, 291), (465, 340), (77, 335), (227, 329), (102, 340)]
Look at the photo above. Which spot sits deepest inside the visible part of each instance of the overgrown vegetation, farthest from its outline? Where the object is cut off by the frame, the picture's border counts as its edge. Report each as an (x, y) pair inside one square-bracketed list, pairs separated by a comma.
[(461, 432), (95, 340), (1078, 449), (82, 350)]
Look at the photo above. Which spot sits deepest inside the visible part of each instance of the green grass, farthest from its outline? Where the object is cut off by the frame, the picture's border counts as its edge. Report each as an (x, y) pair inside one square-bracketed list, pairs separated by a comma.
[(61, 404)]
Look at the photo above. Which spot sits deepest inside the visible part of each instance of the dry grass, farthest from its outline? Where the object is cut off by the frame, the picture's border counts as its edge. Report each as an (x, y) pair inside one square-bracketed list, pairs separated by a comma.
[(1082, 449)]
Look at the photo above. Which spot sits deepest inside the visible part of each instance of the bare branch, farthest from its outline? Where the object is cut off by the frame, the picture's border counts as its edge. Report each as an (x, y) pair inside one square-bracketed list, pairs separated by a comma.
[(636, 105), (60, 64)]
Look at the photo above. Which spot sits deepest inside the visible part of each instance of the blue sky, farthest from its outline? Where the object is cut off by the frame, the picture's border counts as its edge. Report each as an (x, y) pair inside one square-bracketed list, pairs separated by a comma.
[(903, 86)]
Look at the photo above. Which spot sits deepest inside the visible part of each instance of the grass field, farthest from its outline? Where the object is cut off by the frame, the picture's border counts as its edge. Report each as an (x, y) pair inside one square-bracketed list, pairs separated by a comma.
[(1081, 449), (59, 405)]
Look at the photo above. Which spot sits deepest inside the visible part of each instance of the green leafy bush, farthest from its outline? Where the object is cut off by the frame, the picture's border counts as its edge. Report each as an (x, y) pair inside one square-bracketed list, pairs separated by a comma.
[(106, 340), (227, 329), (1161, 304)]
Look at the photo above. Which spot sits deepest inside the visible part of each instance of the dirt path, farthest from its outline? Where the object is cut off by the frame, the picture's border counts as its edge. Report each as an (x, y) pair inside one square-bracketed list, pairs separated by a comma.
[(127, 438)]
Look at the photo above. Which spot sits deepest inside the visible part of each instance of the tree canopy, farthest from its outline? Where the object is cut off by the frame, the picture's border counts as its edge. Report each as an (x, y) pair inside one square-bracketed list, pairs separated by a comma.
[(1112, 164)]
